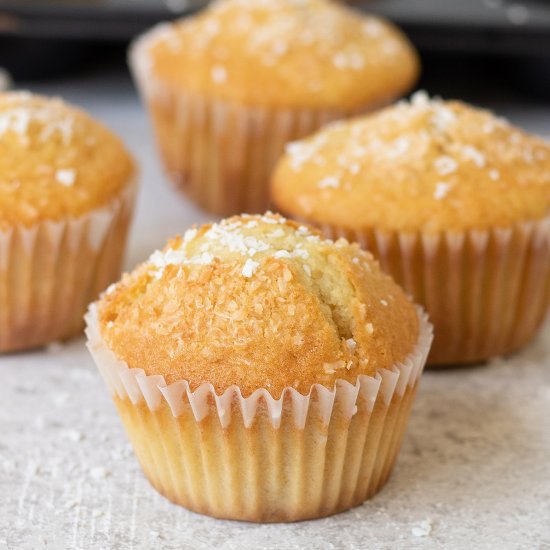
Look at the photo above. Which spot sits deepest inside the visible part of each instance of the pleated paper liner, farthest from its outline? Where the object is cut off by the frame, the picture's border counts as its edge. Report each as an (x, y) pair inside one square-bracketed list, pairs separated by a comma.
[(51, 271), (486, 292), (221, 154), (262, 459)]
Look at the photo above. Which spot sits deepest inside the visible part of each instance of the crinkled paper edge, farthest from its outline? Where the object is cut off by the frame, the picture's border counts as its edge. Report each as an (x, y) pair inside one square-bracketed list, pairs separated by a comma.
[(95, 223), (135, 385)]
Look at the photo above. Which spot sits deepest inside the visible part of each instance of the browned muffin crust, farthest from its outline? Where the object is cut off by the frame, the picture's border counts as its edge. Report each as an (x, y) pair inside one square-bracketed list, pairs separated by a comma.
[(283, 53), (55, 161), (258, 302), (425, 165)]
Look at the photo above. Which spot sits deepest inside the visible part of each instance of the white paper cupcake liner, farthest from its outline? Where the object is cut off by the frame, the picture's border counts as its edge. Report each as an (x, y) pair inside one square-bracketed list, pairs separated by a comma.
[(486, 291), (258, 458), (221, 154), (52, 270)]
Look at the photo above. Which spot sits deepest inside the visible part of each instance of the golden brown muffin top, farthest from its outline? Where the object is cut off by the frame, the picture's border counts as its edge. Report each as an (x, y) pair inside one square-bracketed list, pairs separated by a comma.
[(259, 302), (425, 165), (282, 53), (55, 161)]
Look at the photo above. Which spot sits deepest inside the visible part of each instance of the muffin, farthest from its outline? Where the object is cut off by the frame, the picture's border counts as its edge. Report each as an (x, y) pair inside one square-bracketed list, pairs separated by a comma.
[(454, 203), (226, 89), (66, 195), (262, 373)]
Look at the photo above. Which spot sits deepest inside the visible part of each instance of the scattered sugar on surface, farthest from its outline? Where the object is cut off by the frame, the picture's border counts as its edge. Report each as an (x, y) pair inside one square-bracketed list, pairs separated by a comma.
[(73, 435), (99, 472), (422, 529)]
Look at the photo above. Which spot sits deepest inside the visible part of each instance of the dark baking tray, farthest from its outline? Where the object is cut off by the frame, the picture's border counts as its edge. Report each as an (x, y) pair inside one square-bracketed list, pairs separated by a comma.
[(476, 26), (87, 19)]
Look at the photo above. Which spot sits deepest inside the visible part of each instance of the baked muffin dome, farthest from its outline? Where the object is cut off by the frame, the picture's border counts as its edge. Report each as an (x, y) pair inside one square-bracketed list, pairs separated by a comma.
[(424, 165), (289, 53), (55, 161), (258, 302)]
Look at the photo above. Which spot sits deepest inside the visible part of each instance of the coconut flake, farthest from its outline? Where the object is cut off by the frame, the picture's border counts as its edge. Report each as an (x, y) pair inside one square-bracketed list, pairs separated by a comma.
[(249, 268), (327, 182), (219, 74), (474, 155), (65, 177), (441, 190), (494, 174), (445, 165), (420, 99)]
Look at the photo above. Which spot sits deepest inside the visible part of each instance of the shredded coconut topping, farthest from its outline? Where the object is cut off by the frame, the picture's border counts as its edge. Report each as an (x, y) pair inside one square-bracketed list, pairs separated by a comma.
[(228, 236), (331, 368), (18, 119), (351, 343)]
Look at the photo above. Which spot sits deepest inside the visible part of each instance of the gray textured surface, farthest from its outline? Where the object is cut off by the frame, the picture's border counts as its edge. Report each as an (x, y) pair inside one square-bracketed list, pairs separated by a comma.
[(474, 470)]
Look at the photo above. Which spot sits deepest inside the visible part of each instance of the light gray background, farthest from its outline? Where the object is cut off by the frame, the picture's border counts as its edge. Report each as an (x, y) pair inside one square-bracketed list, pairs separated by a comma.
[(474, 471)]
